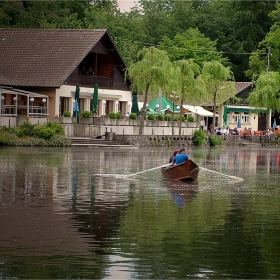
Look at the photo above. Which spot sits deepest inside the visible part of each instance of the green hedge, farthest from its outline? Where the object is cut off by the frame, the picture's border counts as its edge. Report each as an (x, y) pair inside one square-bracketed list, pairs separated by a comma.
[(215, 140), (168, 117), (112, 115), (133, 116), (86, 114), (49, 134), (151, 117), (66, 114), (190, 118), (199, 137)]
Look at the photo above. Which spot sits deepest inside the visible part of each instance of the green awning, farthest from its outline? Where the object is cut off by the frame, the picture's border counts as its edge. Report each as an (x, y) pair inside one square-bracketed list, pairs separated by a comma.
[(164, 103)]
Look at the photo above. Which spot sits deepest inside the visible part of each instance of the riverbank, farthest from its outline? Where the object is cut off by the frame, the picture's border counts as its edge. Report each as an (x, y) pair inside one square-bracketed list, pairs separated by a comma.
[(178, 141)]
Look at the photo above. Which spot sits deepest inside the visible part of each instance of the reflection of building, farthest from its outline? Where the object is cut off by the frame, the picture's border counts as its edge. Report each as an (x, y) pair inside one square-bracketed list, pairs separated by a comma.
[(47, 64)]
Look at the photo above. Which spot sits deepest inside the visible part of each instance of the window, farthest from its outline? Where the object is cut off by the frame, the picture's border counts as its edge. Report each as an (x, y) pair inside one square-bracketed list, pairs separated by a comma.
[(246, 118)]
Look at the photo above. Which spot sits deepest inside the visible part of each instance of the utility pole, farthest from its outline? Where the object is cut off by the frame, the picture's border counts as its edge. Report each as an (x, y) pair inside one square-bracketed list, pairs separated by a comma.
[(268, 59)]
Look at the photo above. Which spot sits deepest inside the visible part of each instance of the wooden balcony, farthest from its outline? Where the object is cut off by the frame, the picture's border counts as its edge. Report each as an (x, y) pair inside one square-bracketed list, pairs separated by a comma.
[(90, 81)]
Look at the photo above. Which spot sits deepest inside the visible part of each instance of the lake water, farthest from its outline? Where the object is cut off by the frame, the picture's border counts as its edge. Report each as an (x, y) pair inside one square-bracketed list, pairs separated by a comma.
[(70, 213)]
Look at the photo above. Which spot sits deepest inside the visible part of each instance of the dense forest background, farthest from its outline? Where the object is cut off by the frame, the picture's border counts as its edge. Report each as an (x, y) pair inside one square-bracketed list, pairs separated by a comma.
[(239, 34)]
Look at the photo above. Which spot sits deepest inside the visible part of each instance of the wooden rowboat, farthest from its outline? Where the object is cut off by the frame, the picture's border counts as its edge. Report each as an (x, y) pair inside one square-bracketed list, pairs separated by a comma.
[(187, 171)]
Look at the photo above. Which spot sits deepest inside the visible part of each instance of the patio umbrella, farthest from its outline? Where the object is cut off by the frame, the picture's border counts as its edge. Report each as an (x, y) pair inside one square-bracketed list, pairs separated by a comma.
[(225, 117), (77, 98), (274, 124), (95, 100), (134, 108), (76, 108), (238, 123)]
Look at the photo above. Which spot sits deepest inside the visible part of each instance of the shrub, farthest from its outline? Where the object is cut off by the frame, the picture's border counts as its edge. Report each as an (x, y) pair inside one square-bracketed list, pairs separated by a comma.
[(8, 129), (183, 118), (7, 138), (151, 117), (44, 132), (49, 134), (168, 117), (66, 114), (133, 116), (199, 137), (58, 128), (160, 117), (59, 141), (215, 140), (176, 118), (190, 118), (26, 129), (112, 115), (85, 114), (118, 115)]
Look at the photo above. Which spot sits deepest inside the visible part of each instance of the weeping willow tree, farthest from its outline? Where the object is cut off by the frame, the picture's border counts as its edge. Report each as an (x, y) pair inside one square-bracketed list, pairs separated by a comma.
[(218, 85), (151, 71), (267, 92), (186, 72)]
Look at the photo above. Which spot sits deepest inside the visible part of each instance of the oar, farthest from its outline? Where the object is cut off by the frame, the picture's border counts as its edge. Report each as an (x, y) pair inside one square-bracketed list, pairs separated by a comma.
[(134, 174), (229, 176)]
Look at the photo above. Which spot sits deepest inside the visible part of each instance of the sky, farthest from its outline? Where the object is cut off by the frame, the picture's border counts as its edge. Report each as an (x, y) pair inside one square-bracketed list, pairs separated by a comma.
[(125, 5)]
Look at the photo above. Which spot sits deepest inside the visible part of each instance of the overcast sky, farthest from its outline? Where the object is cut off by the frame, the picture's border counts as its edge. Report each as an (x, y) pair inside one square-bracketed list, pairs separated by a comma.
[(125, 5)]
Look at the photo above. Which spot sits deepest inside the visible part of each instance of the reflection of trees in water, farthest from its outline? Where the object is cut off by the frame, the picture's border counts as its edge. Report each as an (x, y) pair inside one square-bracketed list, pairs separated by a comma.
[(99, 218)]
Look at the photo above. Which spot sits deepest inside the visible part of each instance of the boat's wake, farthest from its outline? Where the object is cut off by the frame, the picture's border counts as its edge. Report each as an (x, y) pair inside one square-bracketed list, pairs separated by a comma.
[(117, 176)]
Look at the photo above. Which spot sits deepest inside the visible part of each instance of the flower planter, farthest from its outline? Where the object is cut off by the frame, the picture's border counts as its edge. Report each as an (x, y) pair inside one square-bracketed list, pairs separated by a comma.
[(64, 120), (86, 121)]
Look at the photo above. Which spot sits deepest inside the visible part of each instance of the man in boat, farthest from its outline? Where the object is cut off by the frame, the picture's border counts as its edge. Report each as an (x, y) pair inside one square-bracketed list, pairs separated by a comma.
[(180, 157)]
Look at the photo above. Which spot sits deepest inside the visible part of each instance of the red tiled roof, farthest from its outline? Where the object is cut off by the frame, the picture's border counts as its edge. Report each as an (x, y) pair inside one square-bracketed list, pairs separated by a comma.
[(43, 57)]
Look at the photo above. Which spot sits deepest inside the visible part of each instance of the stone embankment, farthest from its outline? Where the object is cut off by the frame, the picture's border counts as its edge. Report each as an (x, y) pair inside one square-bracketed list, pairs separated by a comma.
[(178, 141)]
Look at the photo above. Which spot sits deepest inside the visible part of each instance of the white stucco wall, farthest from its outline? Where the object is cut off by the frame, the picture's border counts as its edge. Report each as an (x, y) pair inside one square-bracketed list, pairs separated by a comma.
[(105, 96)]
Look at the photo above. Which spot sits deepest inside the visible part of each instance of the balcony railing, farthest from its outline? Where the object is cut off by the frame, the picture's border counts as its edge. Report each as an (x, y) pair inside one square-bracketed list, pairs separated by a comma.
[(90, 81), (34, 111)]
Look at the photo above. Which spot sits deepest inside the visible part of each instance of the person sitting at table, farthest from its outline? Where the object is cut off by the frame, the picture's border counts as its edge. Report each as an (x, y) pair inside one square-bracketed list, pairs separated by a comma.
[(218, 131), (181, 157)]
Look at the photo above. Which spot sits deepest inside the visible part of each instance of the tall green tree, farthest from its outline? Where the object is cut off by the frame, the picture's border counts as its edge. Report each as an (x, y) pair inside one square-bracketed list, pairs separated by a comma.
[(267, 56), (251, 23), (158, 19), (218, 85), (42, 14), (151, 71), (267, 92), (191, 44), (185, 82)]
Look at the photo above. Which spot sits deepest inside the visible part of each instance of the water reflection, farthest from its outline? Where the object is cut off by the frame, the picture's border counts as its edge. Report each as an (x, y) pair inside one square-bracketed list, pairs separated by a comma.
[(59, 220), (181, 192)]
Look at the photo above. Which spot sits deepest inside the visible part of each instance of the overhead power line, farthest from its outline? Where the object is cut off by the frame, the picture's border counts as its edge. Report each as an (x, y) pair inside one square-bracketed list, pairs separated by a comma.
[(192, 50)]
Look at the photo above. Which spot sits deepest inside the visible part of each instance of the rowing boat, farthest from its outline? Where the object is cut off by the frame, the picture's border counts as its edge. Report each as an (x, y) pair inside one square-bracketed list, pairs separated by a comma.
[(186, 171)]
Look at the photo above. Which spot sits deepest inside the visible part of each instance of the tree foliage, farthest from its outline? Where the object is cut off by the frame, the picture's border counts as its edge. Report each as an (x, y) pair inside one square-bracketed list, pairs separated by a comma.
[(267, 92), (227, 30), (185, 82), (191, 44), (151, 71), (267, 56), (217, 81)]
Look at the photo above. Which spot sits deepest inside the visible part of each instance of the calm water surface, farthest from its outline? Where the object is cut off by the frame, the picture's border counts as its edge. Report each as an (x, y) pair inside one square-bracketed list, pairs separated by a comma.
[(68, 213)]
